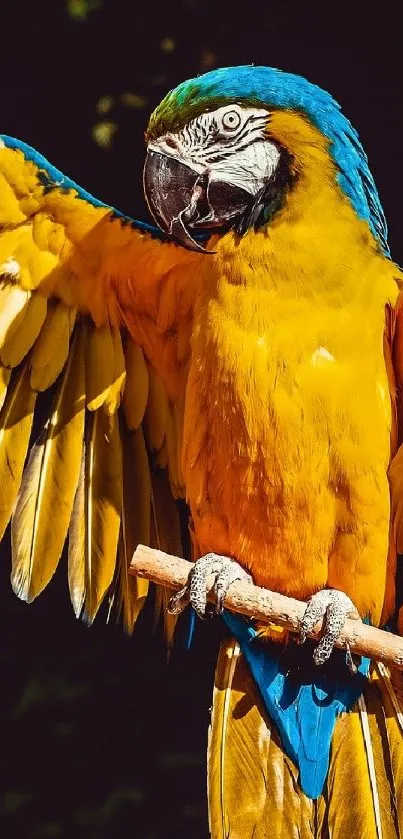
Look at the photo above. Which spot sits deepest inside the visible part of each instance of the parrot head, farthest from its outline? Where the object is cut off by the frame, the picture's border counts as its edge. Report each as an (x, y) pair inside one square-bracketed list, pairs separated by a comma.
[(220, 171), (225, 149)]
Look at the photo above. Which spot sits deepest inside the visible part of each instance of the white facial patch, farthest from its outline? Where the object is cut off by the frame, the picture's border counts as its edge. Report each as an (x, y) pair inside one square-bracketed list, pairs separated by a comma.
[(249, 168), (230, 144)]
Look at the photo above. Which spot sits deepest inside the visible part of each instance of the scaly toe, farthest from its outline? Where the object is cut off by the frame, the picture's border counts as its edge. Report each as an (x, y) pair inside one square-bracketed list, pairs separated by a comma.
[(205, 566), (230, 572), (335, 606), (226, 571)]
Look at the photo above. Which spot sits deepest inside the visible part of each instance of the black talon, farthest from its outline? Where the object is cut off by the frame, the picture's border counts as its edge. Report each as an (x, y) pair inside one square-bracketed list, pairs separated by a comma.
[(350, 660), (219, 608), (178, 602)]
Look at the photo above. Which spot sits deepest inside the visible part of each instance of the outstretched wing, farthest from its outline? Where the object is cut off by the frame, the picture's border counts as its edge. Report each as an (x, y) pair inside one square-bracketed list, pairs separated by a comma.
[(95, 322)]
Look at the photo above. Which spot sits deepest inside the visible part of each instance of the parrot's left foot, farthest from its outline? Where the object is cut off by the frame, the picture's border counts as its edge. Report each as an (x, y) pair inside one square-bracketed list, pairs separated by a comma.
[(335, 606), (225, 570)]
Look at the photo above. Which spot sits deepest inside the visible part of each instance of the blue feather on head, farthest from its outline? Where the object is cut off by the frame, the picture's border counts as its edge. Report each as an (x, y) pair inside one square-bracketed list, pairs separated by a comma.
[(276, 89)]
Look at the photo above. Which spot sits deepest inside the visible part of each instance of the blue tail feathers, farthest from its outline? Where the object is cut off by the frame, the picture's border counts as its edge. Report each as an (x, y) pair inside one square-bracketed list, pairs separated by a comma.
[(302, 700)]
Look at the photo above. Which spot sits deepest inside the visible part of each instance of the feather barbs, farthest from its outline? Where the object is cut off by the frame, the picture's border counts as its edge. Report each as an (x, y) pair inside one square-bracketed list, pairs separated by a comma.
[(45, 499), (105, 368), (73, 482)]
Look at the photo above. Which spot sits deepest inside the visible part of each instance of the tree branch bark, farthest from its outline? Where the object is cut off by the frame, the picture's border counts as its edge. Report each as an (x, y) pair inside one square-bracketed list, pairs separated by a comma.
[(269, 607)]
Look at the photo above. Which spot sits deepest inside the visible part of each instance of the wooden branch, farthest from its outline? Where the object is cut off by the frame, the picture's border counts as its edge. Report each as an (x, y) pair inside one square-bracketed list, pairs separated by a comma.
[(269, 607)]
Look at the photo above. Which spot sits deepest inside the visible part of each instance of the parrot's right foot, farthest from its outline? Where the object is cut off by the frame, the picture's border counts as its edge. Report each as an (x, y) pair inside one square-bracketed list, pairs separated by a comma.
[(195, 591), (334, 606)]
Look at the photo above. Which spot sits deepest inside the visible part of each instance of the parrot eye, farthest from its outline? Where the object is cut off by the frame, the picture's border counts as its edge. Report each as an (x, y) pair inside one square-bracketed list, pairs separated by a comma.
[(231, 121)]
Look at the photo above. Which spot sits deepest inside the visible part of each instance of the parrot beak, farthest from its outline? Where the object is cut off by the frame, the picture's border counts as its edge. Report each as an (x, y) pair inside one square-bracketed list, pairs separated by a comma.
[(183, 198), (173, 189)]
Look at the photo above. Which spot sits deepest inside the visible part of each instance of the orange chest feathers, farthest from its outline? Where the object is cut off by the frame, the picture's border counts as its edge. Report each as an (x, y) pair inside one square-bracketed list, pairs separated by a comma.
[(287, 426)]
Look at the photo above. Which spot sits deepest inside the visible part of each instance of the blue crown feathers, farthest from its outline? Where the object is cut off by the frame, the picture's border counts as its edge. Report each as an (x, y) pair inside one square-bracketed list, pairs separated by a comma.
[(275, 88)]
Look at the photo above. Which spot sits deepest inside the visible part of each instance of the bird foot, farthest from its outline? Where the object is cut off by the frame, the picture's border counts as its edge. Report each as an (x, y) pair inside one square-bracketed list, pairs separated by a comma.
[(335, 607), (195, 591)]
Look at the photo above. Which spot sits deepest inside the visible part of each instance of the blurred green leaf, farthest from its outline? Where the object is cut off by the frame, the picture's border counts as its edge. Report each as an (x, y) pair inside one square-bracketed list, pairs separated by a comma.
[(13, 800), (168, 45), (103, 133), (81, 9), (105, 104), (133, 100)]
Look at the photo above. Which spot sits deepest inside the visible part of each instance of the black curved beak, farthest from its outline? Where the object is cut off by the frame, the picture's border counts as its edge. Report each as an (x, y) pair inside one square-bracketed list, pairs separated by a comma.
[(183, 199), (173, 191)]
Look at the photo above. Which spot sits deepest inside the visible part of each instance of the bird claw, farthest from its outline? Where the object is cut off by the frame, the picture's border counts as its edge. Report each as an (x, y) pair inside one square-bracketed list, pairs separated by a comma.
[(226, 572), (334, 606)]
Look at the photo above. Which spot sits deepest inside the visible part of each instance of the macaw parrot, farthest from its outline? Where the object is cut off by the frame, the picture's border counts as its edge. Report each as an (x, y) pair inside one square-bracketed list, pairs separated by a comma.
[(245, 355)]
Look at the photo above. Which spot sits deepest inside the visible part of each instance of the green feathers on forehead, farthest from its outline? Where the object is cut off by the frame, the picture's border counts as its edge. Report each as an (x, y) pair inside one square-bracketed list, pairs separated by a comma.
[(172, 114), (189, 100)]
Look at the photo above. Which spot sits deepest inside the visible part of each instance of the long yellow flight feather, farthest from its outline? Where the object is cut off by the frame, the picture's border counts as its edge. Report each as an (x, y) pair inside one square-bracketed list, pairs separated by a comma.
[(355, 816), (114, 394), (165, 535), (94, 526), (389, 685), (369, 751), (161, 457), (252, 785), (41, 518), (103, 505), (136, 387), (13, 307), (136, 522), (217, 737), (156, 414), (15, 429), (100, 366), (386, 792), (17, 347), (5, 375), (76, 549), (174, 441), (51, 349)]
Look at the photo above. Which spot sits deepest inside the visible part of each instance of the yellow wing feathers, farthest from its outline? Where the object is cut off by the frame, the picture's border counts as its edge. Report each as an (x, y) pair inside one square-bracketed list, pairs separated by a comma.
[(16, 419), (5, 375), (105, 368), (80, 294), (102, 506), (18, 341), (136, 522), (88, 471), (46, 495), (135, 396)]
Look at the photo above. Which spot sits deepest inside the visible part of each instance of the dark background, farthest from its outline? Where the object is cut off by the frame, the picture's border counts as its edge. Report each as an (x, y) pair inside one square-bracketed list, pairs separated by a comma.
[(98, 736)]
